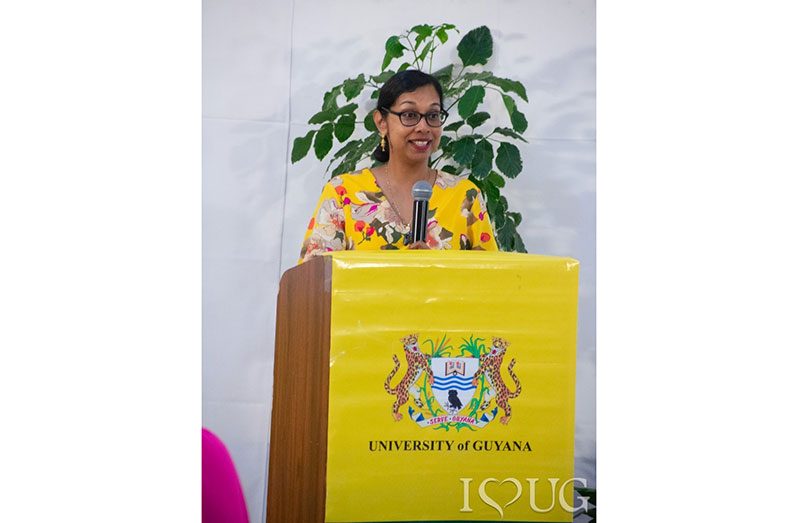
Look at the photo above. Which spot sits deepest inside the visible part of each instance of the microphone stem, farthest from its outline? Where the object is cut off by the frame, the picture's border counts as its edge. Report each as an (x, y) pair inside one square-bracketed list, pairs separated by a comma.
[(419, 228)]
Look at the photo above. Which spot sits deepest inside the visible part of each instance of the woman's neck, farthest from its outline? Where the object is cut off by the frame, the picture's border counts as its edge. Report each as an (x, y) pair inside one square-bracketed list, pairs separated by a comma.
[(407, 175)]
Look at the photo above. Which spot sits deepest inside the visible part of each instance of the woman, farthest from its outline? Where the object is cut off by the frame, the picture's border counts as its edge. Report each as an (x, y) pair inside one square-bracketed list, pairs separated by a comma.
[(372, 209)]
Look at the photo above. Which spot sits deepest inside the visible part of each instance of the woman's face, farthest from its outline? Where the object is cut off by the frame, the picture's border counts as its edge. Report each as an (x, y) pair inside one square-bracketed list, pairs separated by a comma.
[(416, 143)]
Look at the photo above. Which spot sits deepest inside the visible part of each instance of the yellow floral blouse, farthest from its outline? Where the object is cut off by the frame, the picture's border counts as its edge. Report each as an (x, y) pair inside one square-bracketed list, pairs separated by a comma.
[(353, 213)]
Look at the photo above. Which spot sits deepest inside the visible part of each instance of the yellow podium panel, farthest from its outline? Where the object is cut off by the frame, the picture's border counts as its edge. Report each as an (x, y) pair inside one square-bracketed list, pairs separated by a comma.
[(452, 386)]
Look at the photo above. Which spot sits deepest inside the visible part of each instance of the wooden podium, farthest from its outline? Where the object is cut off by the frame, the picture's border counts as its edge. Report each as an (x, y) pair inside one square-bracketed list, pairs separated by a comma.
[(491, 338), (298, 441)]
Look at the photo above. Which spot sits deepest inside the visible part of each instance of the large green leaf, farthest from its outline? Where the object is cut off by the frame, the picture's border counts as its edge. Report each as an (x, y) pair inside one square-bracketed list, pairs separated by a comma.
[(507, 85), (476, 47), (326, 115), (508, 160), (423, 31), (349, 108), (424, 52), (331, 113), (393, 49), (520, 247), (490, 190), (344, 127), (348, 147), (382, 77), (517, 118), (323, 142), (386, 61), (477, 75), (454, 126), (477, 119), (444, 142), (519, 121), (509, 104), (352, 87), (361, 150), (482, 162), (301, 146), (350, 155), (506, 234), (346, 166), (496, 208), (331, 98), (370, 142), (509, 132), (454, 93), (444, 74), (463, 149), (496, 212), (367, 147), (496, 179), (368, 122), (470, 100)]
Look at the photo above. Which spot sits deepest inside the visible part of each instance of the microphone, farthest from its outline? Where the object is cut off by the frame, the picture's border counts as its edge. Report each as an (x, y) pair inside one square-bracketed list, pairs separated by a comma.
[(422, 191)]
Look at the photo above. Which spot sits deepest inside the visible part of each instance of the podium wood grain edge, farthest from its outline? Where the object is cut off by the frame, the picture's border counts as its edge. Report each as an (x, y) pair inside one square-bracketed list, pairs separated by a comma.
[(298, 443)]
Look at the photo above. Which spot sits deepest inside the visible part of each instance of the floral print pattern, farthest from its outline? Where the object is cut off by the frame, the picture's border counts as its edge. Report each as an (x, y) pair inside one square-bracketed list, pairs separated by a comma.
[(353, 213)]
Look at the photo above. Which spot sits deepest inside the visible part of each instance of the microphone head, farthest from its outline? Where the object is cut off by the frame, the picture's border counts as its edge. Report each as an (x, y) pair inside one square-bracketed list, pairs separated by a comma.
[(422, 191)]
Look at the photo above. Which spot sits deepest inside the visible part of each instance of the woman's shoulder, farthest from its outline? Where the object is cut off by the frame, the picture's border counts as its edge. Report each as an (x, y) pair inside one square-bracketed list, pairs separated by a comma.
[(358, 179), (455, 183)]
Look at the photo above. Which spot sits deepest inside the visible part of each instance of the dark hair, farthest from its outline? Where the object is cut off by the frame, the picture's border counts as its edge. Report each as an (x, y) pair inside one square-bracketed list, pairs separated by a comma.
[(400, 83)]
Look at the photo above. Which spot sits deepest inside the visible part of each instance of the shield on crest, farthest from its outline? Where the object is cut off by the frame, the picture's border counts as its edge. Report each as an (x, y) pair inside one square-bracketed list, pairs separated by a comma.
[(452, 387)]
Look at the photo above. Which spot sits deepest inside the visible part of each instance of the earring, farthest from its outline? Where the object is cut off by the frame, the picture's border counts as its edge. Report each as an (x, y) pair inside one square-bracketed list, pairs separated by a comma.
[(382, 143)]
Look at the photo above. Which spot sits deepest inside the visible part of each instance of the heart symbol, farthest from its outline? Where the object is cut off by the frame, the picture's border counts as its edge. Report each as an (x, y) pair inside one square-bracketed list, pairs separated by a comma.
[(483, 495)]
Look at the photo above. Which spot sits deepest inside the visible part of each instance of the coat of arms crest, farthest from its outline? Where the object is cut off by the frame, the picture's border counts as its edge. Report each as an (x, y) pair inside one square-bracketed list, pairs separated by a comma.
[(453, 391)]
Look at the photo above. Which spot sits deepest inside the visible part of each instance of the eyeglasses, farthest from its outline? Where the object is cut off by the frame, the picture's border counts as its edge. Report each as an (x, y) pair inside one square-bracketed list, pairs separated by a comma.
[(411, 118)]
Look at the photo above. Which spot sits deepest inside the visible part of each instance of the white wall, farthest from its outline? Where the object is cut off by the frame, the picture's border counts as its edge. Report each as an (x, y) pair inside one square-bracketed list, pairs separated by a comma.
[(266, 64)]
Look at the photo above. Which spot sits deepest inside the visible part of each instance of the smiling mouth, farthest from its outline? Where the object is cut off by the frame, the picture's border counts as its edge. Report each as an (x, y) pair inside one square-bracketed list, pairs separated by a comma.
[(421, 145)]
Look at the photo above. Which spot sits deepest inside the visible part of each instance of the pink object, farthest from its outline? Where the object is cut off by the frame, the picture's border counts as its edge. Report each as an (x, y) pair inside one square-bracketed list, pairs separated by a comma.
[(222, 498)]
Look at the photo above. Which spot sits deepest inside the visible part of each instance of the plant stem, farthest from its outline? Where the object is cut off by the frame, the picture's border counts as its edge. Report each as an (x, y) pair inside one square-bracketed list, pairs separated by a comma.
[(412, 48), (458, 98), (459, 75)]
